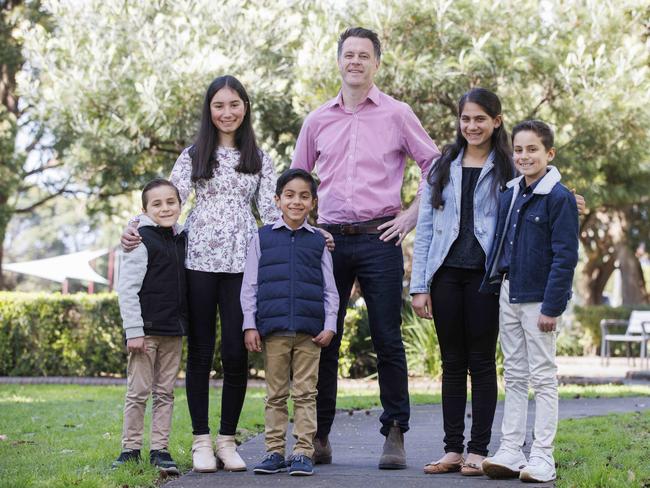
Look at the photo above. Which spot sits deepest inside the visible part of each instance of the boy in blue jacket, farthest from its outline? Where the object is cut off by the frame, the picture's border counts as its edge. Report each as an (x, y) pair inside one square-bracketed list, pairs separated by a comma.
[(533, 257), (290, 303)]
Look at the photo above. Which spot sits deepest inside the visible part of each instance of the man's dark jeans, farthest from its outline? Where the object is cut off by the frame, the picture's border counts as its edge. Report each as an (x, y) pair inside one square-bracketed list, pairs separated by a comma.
[(379, 267)]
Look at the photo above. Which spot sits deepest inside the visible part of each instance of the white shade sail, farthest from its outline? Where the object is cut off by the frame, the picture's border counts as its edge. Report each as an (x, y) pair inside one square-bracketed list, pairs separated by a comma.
[(60, 268)]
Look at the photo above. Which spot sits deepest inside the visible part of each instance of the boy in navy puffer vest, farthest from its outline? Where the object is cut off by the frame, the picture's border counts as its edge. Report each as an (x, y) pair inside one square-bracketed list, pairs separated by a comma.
[(152, 294), (290, 303)]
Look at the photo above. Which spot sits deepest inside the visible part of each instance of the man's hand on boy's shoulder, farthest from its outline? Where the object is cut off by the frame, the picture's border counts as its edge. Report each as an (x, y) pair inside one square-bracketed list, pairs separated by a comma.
[(546, 323), (136, 344), (329, 239), (324, 338), (580, 202), (252, 340)]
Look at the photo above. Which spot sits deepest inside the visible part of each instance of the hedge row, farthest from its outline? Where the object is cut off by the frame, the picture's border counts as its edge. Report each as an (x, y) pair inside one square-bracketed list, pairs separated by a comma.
[(60, 335), (81, 335)]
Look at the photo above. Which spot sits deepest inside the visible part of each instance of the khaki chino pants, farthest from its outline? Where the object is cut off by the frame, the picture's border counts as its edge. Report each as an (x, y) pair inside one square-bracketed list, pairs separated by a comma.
[(282, 355), (152, 372), (529, 358)]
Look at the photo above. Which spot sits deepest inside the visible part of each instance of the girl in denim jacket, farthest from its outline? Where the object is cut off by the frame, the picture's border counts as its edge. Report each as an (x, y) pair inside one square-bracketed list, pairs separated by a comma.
[(455, 230)]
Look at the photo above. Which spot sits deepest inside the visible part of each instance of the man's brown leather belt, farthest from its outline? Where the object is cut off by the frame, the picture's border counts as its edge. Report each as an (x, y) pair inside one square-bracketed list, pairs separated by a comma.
[(367, 227)]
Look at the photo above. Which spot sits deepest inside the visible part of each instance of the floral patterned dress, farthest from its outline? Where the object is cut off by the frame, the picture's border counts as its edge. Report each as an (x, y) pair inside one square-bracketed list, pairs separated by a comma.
[(221, 222)]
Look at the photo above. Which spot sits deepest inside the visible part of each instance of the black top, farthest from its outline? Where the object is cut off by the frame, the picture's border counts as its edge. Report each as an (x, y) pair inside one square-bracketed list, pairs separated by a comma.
[(466, 252), (525, 194)]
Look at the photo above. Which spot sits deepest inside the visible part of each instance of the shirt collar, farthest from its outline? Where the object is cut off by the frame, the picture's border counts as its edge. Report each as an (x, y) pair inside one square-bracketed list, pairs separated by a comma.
[(523, 187), (281, 223), (374, 95)]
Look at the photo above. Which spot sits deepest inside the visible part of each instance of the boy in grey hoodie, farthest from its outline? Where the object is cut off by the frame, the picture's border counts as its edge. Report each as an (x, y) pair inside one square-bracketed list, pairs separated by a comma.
[(152, 294)]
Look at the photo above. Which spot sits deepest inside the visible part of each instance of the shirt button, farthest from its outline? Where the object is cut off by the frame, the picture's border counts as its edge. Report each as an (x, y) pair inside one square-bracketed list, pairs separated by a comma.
[(514, 225), (517, 210), (511, 243), (536, 219)]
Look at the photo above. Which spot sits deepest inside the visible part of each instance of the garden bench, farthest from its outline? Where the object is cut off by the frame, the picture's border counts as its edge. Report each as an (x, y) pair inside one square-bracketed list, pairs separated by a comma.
[(637, 330)]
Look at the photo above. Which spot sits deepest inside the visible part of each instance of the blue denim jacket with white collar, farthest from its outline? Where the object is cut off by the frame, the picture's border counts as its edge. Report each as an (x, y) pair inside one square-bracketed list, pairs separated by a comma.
[(545, 247), (438, 228)]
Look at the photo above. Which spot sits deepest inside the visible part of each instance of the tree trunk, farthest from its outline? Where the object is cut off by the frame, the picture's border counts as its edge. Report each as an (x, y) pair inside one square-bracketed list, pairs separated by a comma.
[(633, 284)]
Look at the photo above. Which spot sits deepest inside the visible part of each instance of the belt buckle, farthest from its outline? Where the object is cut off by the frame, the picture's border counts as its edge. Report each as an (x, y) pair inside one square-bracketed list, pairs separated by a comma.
[(347, 229)]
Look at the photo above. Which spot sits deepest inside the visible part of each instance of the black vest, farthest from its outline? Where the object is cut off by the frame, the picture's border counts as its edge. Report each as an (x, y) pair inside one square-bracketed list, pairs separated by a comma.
[(290, 281), (163, 296)]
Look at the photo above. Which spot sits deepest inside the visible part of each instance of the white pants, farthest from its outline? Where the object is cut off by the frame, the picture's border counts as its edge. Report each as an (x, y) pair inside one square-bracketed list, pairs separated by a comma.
[(529, 356)]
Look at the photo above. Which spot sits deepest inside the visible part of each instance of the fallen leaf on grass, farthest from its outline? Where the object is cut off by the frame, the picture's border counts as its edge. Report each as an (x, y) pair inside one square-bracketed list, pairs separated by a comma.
[(3, 437), (630, 475), (106, 435)]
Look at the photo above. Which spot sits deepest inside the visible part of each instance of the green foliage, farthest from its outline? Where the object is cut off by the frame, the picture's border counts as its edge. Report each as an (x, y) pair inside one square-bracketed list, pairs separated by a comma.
[(589, 318), (47, 335), (421, 344), (356, 357), (66, 335)]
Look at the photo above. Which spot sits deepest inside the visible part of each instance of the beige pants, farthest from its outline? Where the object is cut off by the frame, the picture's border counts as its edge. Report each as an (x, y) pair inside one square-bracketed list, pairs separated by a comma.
[(151, 372), (529, 358), (282, 355)]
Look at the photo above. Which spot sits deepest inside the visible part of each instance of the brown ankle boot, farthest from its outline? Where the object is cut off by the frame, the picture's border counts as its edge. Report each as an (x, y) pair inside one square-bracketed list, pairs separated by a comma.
[(322, 451), (394, 455)]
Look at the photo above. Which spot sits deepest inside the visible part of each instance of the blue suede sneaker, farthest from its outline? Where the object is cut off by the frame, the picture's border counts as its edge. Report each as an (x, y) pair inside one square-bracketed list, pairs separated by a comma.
[(271, 464), (301, 465)]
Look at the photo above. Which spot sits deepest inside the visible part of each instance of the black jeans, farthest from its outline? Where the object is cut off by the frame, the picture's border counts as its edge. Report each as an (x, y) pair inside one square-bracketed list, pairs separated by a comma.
[(467, 325), (379, 267), (206, 292)]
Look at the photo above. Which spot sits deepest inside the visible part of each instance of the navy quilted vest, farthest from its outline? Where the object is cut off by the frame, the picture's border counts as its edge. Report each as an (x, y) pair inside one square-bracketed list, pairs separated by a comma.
[(290, 281)]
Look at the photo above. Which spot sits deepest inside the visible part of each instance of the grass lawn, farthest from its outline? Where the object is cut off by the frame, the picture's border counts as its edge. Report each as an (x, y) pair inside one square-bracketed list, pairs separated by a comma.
[(67, 435)]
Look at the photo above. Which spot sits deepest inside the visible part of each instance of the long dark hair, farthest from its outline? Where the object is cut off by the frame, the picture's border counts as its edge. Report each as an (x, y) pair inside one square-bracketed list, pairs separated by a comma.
[(439, 175), (203, 151)]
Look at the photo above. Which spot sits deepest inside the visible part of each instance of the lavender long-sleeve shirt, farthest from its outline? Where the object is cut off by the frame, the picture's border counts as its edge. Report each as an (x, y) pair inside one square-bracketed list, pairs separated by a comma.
[(360, 156), (248, 294)]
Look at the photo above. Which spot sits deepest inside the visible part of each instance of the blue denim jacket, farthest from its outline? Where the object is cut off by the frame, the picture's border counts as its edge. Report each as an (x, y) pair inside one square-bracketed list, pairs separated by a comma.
[(437, 229), (545, 248)]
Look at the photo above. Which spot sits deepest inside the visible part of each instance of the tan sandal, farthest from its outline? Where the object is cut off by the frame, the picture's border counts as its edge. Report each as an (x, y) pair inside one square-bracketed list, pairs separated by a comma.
[(436, 467), (471, 469)]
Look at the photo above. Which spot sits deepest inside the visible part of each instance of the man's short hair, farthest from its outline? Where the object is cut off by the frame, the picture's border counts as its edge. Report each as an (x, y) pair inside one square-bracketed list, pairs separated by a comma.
[(364, 34)]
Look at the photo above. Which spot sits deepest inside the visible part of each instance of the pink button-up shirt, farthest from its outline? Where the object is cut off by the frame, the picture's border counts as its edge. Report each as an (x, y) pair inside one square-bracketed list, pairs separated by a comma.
[(360, 156)]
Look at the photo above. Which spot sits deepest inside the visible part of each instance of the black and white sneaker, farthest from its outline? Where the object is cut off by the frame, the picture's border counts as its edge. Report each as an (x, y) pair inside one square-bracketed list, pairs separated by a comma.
[(163, 461), (125, 456)]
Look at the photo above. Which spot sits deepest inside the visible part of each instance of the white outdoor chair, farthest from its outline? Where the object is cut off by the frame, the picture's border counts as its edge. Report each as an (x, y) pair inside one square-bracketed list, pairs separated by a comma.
[(638, 330)]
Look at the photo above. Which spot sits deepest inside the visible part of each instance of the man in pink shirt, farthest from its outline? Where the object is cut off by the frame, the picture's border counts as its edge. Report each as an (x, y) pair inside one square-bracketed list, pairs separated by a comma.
[(359, 142)]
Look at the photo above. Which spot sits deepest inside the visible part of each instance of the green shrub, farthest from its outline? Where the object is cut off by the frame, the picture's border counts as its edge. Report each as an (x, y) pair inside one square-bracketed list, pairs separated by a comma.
[(54, 334), (589, 318), (356, 356), (65, 335), (421, 344)]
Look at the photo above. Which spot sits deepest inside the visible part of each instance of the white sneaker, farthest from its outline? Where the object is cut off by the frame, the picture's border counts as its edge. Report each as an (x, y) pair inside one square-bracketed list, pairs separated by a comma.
[(504, 464), (540, 469), (203, 460), (227, 455)]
